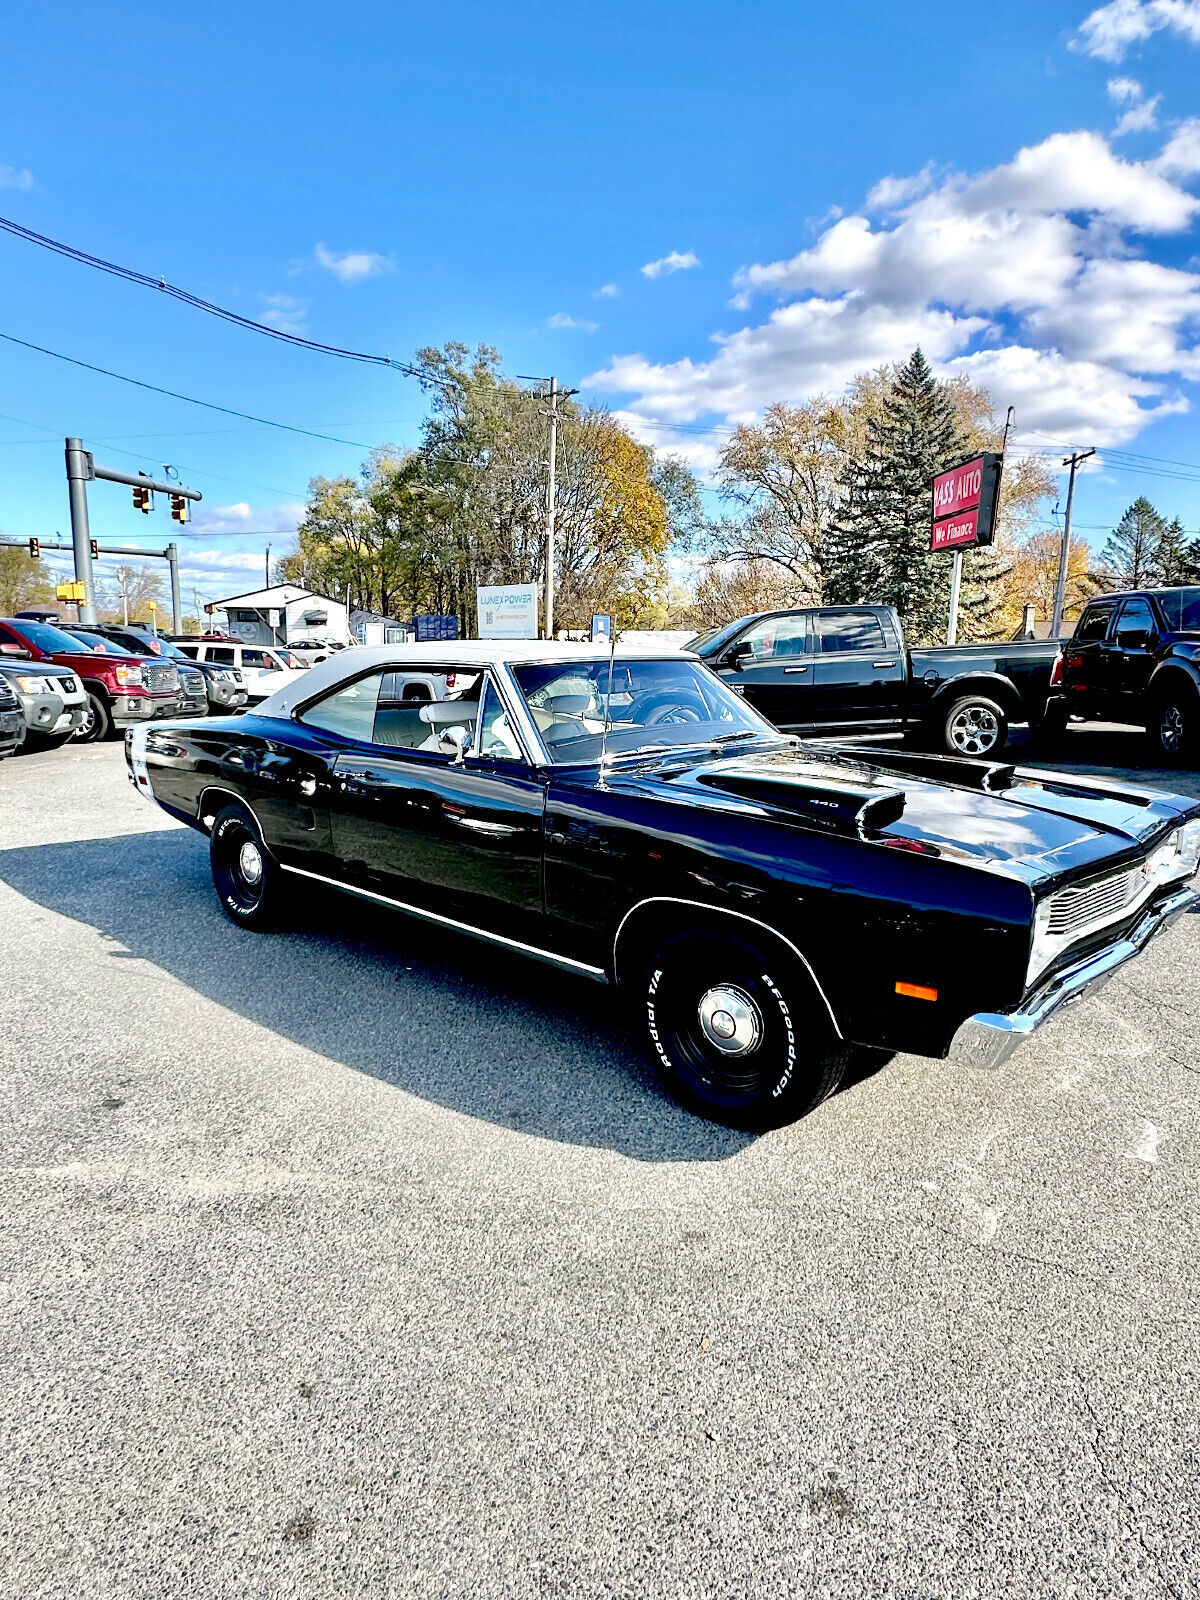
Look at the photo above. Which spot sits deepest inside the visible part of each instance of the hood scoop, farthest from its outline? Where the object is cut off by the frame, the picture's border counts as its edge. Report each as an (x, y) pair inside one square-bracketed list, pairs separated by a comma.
[(853, 809), (987, 776)]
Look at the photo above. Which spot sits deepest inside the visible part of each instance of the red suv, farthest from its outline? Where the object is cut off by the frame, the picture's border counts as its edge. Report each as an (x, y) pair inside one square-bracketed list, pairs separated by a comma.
[(121, 690)]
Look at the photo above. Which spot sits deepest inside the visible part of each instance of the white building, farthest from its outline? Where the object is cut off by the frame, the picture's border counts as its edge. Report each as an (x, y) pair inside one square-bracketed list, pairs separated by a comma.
[(284, 614)]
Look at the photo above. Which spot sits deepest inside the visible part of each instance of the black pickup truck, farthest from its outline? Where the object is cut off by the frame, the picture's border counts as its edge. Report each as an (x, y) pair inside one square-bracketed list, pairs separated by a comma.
[(1135, 658), (846, 670)]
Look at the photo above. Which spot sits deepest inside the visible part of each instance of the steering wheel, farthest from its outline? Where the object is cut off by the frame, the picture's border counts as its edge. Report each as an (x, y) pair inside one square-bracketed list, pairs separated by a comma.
[(652, 708)]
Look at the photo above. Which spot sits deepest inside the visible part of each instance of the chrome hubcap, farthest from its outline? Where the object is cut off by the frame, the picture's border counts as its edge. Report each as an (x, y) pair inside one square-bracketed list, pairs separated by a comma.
[(1171, 729), (250, 863), (730, 1020), (974, 730)]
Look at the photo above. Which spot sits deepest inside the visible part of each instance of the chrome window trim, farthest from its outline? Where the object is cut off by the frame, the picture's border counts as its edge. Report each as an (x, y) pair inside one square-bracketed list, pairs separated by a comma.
[(723, 911), (568, 963)]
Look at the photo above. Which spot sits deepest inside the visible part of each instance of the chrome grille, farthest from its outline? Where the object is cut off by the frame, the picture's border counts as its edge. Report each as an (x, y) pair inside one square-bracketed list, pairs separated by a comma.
[(160, 677), (1079, 907), (8, 695)]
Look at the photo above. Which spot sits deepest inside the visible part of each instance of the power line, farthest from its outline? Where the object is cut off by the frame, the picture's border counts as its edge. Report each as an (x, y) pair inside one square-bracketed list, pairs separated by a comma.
[(188, 399), (19, 231)]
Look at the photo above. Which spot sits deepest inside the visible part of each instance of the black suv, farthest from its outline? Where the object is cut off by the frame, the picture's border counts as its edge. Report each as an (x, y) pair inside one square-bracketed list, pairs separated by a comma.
[(223, 686), (1135, 658)]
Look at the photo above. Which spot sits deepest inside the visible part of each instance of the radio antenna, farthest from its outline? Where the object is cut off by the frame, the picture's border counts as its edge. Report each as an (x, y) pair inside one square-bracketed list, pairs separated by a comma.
[(612, 651)]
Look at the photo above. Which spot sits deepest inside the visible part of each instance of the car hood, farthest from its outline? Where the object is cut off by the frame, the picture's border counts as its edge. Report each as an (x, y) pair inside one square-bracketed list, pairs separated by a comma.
[(1021, 822)]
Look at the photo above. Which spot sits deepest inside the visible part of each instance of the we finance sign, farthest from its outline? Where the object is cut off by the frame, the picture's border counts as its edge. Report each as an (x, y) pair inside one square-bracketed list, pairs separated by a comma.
[(964, 503)]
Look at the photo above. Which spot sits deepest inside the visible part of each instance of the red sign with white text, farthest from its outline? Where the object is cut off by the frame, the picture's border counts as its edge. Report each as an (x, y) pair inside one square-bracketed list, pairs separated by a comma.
[(952, 532), (960, 489), (964, 503)]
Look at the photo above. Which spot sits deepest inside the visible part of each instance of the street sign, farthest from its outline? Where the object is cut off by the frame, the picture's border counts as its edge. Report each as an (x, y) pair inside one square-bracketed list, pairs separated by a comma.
[(507, 610), (964, 503)]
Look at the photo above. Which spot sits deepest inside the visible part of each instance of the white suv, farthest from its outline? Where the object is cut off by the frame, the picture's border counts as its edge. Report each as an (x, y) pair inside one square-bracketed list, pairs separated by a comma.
[(253, 660)]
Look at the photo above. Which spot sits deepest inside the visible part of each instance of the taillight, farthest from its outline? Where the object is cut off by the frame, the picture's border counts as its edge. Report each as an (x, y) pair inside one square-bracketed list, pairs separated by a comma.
[(1074, 661), (1056, 671), (451, 679)]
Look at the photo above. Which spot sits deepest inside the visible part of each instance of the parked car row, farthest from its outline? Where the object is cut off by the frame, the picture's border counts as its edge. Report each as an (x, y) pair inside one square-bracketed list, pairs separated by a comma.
[(64, 682)]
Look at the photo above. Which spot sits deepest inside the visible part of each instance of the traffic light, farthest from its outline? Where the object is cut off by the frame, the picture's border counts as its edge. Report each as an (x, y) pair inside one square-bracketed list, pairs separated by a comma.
[(35, 549), (178, 508), (141, 499), (94, 547)]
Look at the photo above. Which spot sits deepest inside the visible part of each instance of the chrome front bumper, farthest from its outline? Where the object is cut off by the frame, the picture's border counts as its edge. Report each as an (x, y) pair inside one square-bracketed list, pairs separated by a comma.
[(990, 1037)]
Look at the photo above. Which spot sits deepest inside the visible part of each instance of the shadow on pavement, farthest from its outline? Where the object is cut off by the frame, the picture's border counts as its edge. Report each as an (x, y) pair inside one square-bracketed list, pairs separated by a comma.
[(439, 1015)]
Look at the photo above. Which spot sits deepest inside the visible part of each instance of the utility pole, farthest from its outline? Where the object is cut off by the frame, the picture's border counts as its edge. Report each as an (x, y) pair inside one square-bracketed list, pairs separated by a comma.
[(267, 567), (176, 607), (550, 492), (1064, 554)]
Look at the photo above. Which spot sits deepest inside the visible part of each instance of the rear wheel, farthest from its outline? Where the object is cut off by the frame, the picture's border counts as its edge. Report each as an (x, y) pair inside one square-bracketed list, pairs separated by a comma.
[(249, 883), (975, 727), (737, 1031), (1175, 724), (97, 721)]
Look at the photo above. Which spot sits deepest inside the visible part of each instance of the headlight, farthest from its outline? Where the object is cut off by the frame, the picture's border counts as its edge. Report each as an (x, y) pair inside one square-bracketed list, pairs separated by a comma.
[(129, 677), (35, 685), (1178, 856)]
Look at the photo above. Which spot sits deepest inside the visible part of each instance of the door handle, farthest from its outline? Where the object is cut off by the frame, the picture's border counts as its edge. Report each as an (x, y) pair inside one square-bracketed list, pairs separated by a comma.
[(496, 830), (883, 663), (795, 669)]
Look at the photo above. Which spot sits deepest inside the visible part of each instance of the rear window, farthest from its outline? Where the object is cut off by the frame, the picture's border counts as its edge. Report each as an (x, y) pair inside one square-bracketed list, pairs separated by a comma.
[(1095, 622), (849, 630), (1181, 609)]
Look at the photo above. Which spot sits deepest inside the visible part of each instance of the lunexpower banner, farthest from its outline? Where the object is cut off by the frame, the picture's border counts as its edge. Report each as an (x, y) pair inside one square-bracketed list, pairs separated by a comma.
[(964, 503), (507, 610)]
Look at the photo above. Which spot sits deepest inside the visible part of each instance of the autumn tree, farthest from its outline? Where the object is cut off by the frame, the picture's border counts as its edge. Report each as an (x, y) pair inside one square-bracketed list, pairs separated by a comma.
[(1033, 578), (24, 585), (127, 594)]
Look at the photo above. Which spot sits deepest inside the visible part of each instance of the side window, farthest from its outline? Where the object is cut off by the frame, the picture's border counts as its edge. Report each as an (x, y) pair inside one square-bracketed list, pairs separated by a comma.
[(349, 710), (777, 636), (1136, 617), (222, 654), (257, 658), (849, 630), (1095, 622), (497, 740)]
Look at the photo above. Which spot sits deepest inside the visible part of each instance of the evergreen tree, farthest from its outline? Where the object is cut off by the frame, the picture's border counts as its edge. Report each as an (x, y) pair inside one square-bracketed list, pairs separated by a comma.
[(1176, 560), (1131, 553), (878, 550)]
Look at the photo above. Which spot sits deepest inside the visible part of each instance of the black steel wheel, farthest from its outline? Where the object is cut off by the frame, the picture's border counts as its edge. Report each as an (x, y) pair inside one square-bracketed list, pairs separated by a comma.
[(738, 1031), (975, 727), (97, 721), (248, 881)]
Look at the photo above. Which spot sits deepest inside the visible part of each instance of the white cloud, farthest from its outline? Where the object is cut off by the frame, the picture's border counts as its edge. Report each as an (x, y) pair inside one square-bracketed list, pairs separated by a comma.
[(1028, 275), (285, 312), (607, 291), (1122, 89), (1109, 30), (1138, 118), (242, 517), (15, 177), (891, 192), (353, 266), (677, 261), (561, 319)]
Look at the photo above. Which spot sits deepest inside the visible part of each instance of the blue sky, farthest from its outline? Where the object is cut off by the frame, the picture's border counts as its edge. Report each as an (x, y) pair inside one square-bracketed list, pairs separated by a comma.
[(820, 186)]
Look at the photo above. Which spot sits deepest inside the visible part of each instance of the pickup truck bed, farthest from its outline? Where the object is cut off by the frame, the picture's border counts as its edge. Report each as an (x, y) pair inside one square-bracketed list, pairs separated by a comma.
[(842, 670)]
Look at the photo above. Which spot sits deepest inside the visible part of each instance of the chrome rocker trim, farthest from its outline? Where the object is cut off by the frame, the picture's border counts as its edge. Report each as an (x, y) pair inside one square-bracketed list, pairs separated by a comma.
[(990, 1037)]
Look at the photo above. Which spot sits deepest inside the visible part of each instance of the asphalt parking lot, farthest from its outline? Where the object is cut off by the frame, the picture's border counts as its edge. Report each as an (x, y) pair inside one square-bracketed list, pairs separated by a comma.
[(353, 1261)]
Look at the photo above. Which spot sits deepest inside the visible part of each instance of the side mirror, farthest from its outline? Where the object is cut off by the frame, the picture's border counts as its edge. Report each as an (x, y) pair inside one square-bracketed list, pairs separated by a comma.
[(455, 742), (14, 650), (737, 656)]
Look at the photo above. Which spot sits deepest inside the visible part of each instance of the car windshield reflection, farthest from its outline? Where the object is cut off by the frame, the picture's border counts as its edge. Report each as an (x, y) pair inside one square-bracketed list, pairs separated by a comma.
[(653, 706)]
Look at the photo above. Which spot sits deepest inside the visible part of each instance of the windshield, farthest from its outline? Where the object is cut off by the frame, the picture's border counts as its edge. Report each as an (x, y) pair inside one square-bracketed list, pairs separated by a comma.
[(1181, 609), (54, 641), (98, 643), (655, 705)]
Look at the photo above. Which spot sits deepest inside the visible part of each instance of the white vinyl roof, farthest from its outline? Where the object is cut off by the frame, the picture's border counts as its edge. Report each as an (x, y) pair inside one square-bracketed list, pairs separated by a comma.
[(445, 656)]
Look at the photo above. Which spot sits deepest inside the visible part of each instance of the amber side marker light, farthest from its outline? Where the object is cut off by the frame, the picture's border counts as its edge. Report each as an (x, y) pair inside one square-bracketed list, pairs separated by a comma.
[(916, 991)]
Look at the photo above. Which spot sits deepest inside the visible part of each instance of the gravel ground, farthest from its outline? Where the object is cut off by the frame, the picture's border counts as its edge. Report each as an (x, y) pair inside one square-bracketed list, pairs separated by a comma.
[(353, 1261)]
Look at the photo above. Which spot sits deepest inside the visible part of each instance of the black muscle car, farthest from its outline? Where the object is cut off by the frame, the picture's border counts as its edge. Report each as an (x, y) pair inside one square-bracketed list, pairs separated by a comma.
[(767, 907)]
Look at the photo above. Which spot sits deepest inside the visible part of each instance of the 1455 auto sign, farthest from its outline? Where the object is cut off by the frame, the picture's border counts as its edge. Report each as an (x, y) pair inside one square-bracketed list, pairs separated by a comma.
[(964, 503)]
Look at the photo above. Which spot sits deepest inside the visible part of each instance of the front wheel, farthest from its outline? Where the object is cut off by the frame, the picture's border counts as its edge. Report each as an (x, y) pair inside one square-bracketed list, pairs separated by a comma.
[(249, 883), (97, 721), (975, 727), (736, 1033)]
